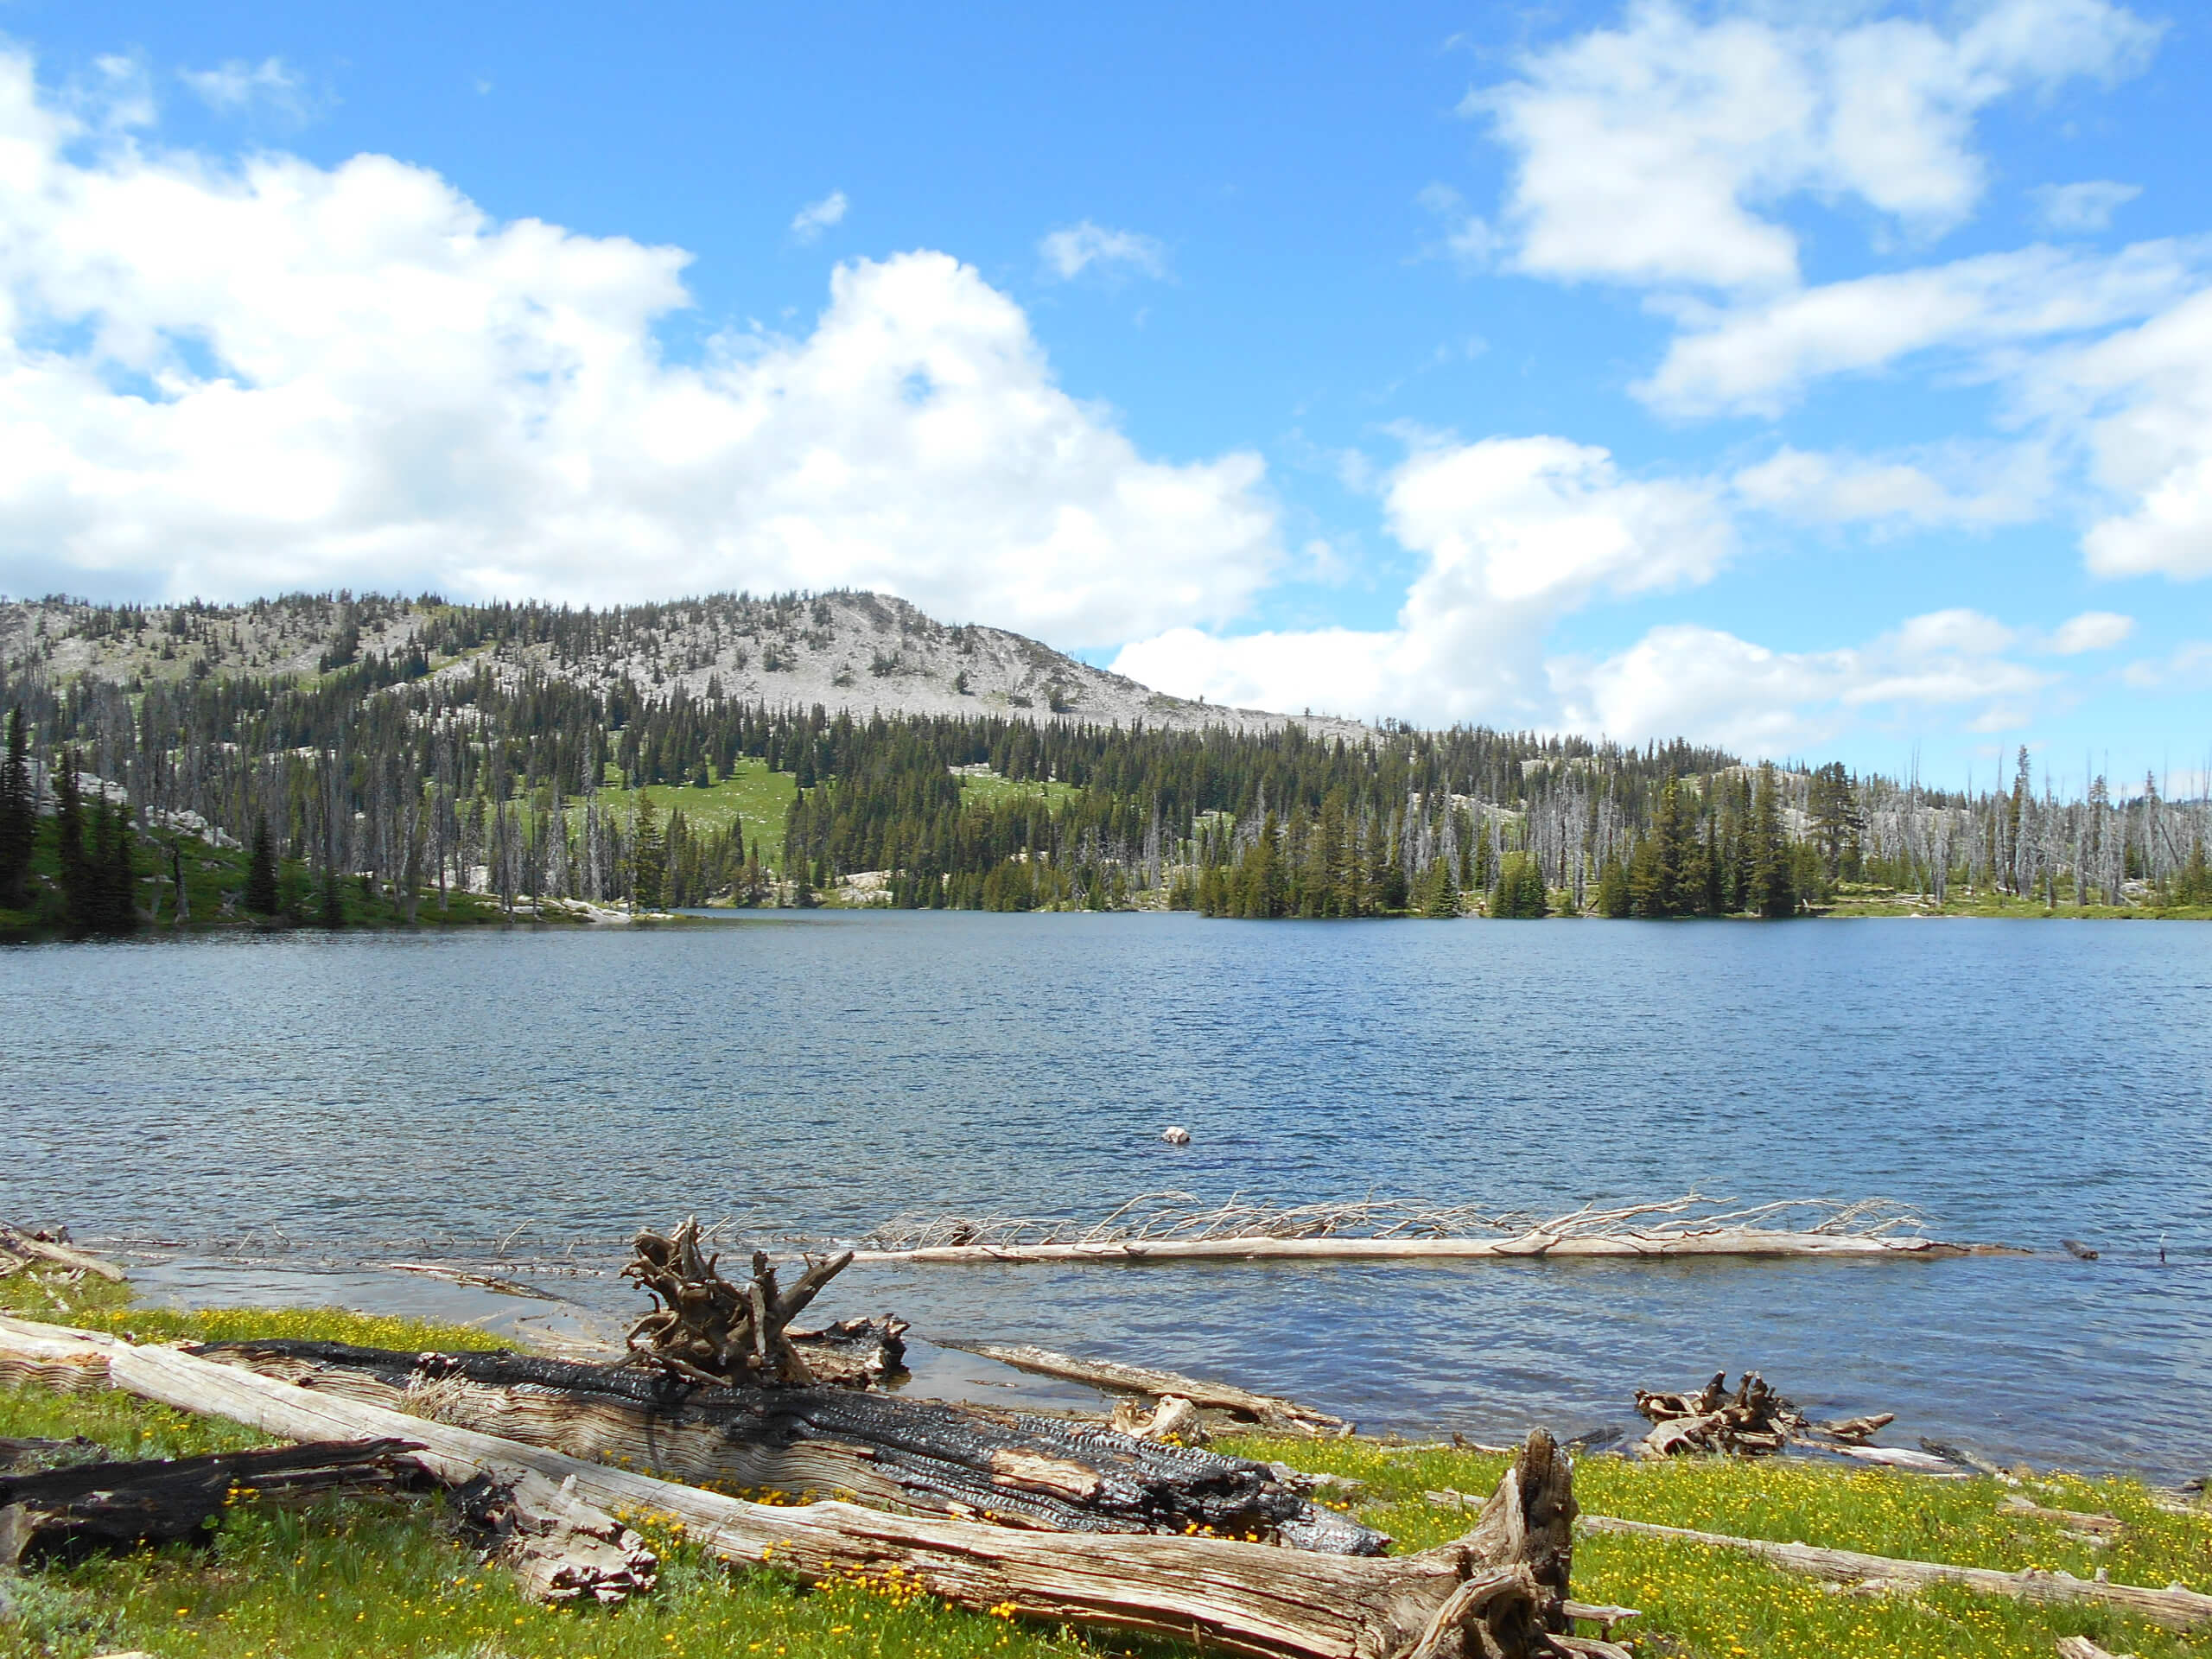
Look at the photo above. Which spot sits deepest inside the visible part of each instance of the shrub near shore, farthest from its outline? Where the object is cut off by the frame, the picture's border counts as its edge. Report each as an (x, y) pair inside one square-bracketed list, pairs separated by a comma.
[(389, 1577)]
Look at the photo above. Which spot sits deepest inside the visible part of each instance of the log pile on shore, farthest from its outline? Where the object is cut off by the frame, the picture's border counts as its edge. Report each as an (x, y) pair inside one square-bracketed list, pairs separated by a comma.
[(1499, 1593)]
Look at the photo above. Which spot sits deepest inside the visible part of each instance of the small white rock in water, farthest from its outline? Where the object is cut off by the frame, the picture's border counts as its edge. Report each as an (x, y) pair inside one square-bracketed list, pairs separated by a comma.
[(1176, 1135)]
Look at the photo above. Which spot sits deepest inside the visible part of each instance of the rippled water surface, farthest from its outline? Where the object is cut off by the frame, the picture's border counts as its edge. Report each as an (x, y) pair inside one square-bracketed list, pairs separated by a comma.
[(2019, 1081)]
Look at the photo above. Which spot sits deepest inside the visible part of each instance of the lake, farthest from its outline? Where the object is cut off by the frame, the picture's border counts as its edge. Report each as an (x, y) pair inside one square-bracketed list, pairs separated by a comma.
[(321, 1099)]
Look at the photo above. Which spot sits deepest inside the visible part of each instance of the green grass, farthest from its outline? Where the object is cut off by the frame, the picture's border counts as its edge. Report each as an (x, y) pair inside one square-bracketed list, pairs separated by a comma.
[(990, 789), (1721, 1605), (388, 1576), (212, 873), (752, 792), (1866, 898)]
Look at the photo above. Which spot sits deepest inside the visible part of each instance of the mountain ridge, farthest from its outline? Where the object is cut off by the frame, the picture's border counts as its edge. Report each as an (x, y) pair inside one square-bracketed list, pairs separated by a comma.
[(844, 649)]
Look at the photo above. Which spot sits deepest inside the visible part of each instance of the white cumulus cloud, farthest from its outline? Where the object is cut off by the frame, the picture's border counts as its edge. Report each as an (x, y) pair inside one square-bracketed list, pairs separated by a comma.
[(1656, 152), (1514, 533), (1950, 485), (1684, 679), (2091, 631), (1756, 359), (808, 223), (233, 379), (1070, 251), (2144, 397)]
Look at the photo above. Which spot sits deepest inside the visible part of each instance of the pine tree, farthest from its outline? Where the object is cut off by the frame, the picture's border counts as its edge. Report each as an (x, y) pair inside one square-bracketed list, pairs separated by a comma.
[(18, 817), (1774, 886), (648, 858), (1439, 894), (331, 914), (77, 897), (1613, 890), (1520, 894), (261, 872)]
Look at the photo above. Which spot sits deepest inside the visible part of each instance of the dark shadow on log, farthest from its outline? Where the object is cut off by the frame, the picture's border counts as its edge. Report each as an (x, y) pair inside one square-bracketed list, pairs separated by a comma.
[(69, 1513), (916, 1456)]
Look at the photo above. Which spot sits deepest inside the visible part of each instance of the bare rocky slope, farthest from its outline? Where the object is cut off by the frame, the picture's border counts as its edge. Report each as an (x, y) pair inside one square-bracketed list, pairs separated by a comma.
[(865, 652)]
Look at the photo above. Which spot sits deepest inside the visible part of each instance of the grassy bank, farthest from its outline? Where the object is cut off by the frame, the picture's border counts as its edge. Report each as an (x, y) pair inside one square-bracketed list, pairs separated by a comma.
[(388, 1577)]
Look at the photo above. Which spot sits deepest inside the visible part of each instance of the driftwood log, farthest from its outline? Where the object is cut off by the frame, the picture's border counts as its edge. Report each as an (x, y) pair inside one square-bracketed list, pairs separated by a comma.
[(68, 1513), (1487, 1596), (917, 1456), (706, 1328), (1756, 1421), (1535, 1245), (2176, 1607), (1281, 1416), (27, 1247)]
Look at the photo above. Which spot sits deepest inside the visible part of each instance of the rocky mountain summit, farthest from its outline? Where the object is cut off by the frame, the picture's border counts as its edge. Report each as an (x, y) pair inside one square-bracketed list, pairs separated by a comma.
[(868, 653)]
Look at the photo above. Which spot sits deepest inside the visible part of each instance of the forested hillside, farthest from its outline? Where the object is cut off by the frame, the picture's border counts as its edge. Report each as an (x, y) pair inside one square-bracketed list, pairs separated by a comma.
[(405, 752)]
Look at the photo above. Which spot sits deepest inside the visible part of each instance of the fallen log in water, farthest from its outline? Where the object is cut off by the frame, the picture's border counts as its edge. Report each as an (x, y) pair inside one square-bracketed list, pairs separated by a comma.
[(909, 1454), (29, 1247), (70, 1512), (1497, 1593), (1535, 1245), (2177, 1607), (1163, 1227), (1286, 1416)]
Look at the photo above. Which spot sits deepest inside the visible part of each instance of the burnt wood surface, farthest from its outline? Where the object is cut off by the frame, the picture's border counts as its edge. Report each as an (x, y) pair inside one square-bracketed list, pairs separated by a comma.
[(77, 1510), (917, 1456)]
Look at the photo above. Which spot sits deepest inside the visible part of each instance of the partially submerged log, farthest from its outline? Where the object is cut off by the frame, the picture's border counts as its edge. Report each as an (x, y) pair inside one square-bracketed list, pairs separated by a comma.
[(1756, 1421), (1479, 1598), (2176, 1607), (1164, 1227), (68, 1513), (1534, 1245), (1267, 1411), (919, 1456), (26, 1246)]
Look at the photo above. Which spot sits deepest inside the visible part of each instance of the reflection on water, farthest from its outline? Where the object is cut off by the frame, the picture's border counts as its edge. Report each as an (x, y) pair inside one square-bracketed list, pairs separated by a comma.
[(2021, 1082)]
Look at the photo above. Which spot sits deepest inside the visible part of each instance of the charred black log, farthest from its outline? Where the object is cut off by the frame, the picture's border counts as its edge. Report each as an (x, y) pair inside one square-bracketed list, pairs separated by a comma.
[(916, 1456), (72, 1512)]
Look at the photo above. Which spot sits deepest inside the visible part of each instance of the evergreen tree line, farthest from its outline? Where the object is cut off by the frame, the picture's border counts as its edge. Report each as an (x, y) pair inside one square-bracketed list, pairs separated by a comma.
[(497, 779)]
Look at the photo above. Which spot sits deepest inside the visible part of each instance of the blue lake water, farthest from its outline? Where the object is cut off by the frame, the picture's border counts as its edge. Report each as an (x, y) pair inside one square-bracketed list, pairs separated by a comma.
[(356, 1095)]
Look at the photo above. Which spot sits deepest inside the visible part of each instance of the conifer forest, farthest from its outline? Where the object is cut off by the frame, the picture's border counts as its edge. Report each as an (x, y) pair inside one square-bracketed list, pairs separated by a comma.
[(535, 757)]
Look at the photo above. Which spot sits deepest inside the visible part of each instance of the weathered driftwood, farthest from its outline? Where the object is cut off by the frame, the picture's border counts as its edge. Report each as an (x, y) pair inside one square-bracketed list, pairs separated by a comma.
[(1163, 1227), (853, 1353), (558, 1547), (29, 1247), (76, 1510), (1487, 1596), (2080, 1647), (52, 1357), (2096, 1524), (1174, 1419), (708, 1330), (1756, 1421), (914, 1455), (1530, 1246), (2176, 1607), (1284, 1416), (563, 1548)]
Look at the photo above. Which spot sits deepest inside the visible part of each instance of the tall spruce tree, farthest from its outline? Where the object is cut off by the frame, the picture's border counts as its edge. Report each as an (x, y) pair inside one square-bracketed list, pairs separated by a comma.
[(261, 897), (18, 816), (77, 904), (1774, 879)]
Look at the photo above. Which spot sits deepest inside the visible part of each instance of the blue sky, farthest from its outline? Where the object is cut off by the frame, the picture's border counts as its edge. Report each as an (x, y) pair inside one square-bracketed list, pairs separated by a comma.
[(1821, 378)]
